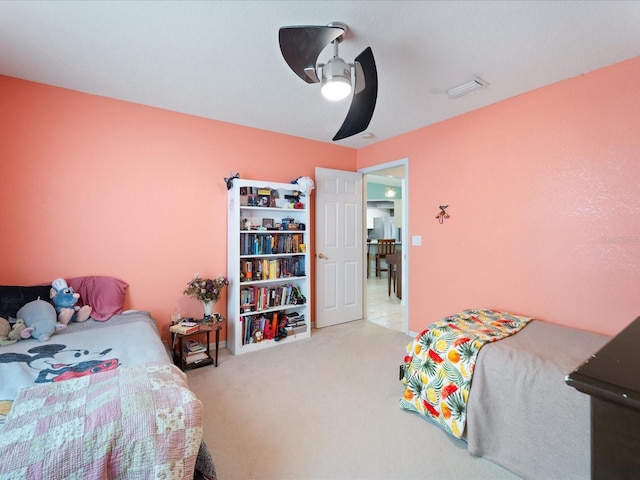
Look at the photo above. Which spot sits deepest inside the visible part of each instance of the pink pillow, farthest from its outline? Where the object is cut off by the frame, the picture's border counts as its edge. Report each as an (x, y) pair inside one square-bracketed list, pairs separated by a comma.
[(105, 295)]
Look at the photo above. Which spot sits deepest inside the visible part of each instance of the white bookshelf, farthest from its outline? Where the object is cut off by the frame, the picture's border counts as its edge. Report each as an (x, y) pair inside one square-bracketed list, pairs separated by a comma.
[(268, 258)]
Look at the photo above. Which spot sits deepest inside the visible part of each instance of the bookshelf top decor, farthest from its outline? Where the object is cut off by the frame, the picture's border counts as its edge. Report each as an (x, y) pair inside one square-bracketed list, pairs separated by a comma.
[(305, 183), (272, 196), (267, 197)]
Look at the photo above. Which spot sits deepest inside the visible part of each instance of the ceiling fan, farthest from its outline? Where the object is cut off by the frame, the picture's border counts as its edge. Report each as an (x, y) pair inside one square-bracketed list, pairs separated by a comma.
[(301, 46)]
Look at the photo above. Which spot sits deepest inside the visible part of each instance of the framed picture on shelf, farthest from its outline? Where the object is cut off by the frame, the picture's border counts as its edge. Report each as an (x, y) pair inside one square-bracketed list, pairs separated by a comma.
[(264, 197)]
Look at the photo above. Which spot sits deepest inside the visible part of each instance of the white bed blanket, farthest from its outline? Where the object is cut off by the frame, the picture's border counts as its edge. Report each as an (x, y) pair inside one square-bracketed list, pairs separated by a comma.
[(521, 413), (81, 349)]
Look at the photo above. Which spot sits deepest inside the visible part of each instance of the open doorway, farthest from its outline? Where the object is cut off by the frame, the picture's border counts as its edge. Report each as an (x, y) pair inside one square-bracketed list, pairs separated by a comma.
[(386, 303)]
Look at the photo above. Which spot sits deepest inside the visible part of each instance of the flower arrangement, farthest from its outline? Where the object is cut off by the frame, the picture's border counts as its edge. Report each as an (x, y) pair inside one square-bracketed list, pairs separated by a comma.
[(205, 289)]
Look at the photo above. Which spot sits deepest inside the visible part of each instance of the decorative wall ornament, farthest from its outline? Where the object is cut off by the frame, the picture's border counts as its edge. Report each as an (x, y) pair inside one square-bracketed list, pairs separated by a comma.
[(442, 215), (229, 180)]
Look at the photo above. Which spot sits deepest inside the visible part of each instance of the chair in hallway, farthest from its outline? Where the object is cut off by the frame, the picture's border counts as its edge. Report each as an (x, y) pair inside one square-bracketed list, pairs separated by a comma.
[(394, 264), (386, 246), (368, 256)]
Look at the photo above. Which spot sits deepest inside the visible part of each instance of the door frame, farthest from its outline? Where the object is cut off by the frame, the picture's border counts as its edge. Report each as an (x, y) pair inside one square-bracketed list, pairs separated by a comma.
[(403, 162)]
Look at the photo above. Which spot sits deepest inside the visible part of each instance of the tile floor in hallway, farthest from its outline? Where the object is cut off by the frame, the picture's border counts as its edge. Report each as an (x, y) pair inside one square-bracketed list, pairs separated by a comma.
[(383, 309)]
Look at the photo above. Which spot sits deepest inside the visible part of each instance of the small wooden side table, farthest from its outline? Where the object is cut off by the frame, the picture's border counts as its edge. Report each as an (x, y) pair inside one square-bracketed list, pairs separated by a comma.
[(177, 342)]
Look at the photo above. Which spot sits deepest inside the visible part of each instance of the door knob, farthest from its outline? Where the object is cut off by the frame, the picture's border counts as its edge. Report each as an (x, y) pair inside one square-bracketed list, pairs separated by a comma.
[(322, 255)]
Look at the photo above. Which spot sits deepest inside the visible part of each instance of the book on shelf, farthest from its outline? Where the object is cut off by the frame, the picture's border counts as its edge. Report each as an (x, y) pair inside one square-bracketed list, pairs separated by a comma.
[(293, 317), (194, 346), (196, 357), (184, 328), (299, 328), (270, 243)]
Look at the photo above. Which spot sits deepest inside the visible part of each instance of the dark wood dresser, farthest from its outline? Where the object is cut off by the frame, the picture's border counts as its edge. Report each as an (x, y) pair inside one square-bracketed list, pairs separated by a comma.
[(612, 378)]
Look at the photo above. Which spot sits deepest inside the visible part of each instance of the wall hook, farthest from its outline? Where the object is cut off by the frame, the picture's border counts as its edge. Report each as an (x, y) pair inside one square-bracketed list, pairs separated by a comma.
[(442, 214)]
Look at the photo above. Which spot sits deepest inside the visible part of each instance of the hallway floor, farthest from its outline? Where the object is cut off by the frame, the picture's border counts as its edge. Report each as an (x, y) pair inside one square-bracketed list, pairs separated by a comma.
[(383, 309)]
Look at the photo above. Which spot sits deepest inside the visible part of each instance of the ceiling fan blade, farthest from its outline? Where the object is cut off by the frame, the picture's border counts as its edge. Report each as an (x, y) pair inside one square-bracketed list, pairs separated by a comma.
[(301, 46), (364, 98)]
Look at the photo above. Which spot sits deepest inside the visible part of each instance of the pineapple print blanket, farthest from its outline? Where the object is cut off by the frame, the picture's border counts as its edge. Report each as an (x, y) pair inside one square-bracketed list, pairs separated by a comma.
[(439, 364)]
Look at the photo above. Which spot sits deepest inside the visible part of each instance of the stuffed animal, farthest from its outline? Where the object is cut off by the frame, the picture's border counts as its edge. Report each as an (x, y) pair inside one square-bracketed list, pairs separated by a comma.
[(64, 298), (40, 318), (305, 183), (8, 334), (16, 331), (5, 330)]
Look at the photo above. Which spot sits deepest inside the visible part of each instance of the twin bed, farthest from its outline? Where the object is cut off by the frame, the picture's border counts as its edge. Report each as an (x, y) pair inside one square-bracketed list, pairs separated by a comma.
[(99, 399), (517, 410)]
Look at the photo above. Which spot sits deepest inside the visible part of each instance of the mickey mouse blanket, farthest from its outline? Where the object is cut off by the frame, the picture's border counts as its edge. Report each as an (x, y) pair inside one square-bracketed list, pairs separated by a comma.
[(79, 350)]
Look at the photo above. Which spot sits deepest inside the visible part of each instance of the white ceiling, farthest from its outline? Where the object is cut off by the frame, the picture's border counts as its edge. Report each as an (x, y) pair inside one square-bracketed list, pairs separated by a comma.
[(221, 59)]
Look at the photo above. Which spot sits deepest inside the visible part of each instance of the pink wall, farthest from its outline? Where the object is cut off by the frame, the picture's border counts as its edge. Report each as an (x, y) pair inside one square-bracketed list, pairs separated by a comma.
[(544, 197), (543, 192), (93, 186)]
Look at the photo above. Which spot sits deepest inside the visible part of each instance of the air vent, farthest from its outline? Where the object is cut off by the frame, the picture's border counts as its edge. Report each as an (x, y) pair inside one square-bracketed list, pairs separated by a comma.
[(465, 88)]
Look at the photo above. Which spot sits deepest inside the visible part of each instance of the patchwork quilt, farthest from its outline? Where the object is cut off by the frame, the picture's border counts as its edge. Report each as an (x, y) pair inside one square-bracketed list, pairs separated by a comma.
[(127, 423), (439, 364)]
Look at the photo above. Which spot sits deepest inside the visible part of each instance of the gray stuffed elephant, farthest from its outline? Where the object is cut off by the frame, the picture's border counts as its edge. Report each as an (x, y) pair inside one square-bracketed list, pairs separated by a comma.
[(40, 317)]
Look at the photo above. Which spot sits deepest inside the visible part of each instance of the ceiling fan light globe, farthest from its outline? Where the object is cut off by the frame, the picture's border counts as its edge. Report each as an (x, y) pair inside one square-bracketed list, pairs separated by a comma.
[(336, 88), (336, 79)]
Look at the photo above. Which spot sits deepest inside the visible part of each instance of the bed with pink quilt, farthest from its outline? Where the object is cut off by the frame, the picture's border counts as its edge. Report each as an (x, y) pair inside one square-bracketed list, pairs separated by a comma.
[(497, 381), (99, 399)]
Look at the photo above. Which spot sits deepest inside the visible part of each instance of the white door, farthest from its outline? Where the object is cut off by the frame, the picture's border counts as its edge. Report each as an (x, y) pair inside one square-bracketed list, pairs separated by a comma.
[(339, 247)]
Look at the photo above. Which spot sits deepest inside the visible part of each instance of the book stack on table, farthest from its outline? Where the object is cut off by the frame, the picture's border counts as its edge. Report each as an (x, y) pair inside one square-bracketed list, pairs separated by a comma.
[(184, 327), (295, 323), (194, 351)]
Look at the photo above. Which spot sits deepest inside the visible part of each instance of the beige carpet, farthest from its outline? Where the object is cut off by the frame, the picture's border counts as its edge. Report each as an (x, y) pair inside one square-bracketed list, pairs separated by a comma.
[(325, 408)]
